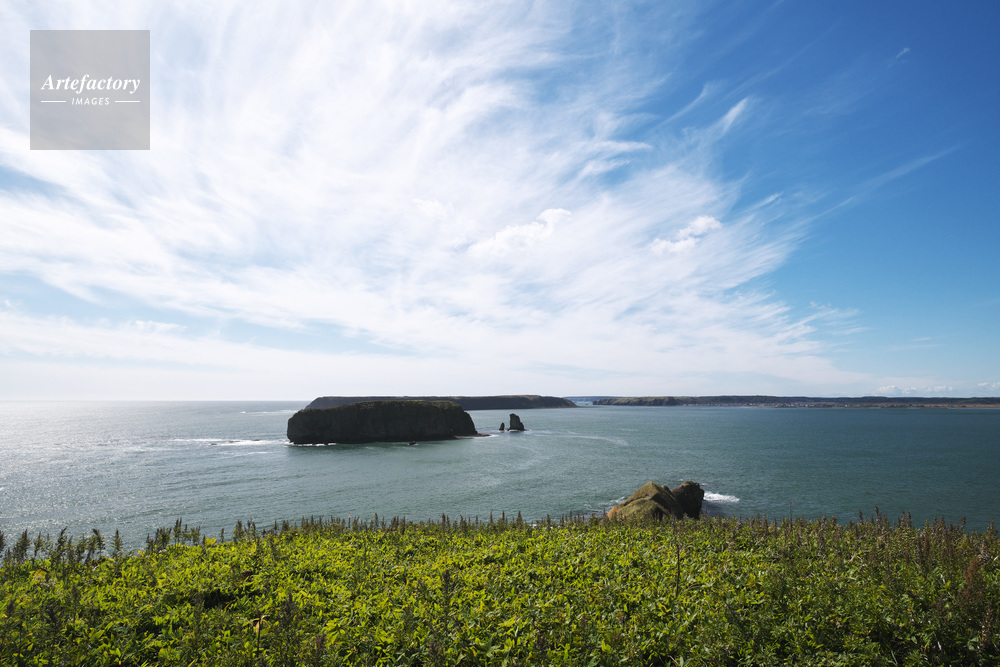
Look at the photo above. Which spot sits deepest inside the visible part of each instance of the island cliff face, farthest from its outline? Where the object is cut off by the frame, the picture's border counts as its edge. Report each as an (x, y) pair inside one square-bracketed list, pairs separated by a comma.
[(380, 421), (509, 402)]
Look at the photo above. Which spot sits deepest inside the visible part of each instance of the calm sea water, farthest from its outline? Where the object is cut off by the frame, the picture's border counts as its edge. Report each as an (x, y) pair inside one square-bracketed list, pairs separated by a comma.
[(139, 466)]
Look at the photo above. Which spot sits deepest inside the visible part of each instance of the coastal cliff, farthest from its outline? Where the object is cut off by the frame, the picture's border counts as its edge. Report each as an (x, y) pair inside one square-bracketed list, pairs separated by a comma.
[(804, 401), (506, 402), (380, 421)]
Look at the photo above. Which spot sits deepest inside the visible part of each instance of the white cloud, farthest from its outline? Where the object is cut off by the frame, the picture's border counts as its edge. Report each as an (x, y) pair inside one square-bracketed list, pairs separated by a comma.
[(546, 357), (736, 112), (918, 390), (372, 173), (688, 237), (514, 238)]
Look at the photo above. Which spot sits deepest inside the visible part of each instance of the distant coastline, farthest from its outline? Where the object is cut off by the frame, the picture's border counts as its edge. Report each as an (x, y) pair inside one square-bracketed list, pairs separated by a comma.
[(803, 401)]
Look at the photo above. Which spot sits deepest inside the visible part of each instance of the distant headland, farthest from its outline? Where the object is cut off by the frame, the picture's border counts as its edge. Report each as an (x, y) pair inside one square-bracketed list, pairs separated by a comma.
[(804, 401), (505, 402)]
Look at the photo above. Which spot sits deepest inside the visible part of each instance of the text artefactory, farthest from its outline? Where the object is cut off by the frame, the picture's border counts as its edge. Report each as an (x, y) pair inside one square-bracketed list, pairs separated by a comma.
[(88, 83)]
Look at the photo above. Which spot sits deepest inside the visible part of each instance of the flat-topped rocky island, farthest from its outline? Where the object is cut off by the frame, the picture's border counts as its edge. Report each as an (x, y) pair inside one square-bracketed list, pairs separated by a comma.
[(380, 421)]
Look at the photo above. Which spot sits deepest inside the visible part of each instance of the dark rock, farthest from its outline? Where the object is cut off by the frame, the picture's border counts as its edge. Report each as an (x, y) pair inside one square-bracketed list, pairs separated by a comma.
[(515, 423), (380, 421), (655, 502), (690, 495), (501, 426)]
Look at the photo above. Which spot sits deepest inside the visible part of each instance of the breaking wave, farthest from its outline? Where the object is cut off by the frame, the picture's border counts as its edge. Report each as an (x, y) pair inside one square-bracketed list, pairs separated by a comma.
[(720, 498)]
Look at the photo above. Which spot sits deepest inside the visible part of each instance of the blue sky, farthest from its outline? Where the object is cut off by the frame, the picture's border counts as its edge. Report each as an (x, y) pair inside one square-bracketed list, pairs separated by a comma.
[(482, 198)]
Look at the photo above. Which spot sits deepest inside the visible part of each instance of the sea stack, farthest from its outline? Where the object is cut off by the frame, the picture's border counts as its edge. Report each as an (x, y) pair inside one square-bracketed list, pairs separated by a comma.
[(515, 423), (380, 421)]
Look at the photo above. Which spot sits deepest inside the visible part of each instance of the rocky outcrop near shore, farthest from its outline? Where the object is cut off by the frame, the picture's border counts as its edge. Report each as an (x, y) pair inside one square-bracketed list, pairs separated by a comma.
[(507, 402), (380, 421), (515, 423), (655, 502)]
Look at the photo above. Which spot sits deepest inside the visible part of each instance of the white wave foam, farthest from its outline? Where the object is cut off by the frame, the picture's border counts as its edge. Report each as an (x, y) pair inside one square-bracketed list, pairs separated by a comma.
[(248, 443), (229, 442), (720, 498)]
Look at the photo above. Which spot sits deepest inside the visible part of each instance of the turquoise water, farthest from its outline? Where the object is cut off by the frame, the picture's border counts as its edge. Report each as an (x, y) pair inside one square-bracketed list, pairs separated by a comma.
[(139, 466)]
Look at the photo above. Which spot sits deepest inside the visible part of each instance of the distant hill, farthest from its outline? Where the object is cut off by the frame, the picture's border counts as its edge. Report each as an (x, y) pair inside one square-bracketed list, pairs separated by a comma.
[(806, 401), (508, 402)]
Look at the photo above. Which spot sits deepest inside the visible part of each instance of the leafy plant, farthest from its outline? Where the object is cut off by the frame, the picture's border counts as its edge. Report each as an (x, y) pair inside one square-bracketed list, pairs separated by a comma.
[(572, 592)]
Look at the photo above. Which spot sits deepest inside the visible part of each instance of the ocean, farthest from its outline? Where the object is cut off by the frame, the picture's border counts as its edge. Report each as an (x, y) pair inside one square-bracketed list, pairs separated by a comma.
[(137, 466)]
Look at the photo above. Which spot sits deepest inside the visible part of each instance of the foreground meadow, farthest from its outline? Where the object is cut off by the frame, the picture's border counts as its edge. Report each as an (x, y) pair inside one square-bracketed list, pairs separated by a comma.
[(573, 592)]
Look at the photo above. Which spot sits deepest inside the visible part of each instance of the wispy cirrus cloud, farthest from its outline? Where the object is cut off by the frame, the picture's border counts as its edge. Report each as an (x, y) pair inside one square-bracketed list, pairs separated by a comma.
[(463, 187)]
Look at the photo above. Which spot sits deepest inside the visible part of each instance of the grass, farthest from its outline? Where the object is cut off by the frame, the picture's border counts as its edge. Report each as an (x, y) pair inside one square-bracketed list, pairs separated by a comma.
[(573, 592)]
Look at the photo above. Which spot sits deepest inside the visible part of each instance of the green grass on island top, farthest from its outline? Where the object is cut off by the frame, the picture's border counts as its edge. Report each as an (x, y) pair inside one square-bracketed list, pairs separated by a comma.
[(718, 591)]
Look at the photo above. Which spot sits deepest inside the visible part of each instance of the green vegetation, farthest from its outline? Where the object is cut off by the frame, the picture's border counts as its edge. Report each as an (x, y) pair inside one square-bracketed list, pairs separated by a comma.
[(573, 592)]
